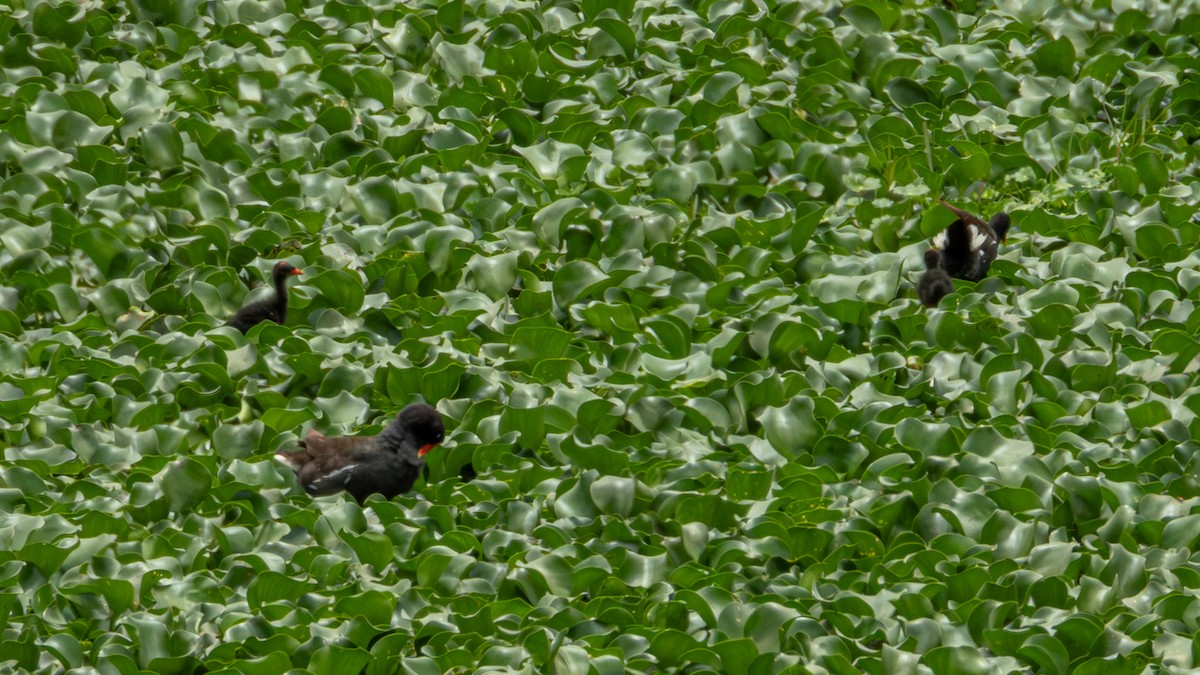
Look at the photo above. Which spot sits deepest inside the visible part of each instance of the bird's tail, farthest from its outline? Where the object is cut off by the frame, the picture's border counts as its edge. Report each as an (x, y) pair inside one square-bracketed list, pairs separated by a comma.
[(287, 459)]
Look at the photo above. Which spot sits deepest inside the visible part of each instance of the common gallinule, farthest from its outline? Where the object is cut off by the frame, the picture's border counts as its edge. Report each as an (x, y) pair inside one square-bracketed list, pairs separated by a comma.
[(968, 245), (274, 309), (387, 464), (934, 284), (964, 250)]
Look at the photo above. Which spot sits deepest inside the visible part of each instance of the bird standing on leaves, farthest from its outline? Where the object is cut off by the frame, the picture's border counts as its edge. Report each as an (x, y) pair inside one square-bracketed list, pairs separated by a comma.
[(387, 464), (271, 309)]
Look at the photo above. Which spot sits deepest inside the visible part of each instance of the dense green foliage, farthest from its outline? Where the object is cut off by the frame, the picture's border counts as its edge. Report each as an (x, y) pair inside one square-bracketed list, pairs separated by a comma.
[(654, 263)]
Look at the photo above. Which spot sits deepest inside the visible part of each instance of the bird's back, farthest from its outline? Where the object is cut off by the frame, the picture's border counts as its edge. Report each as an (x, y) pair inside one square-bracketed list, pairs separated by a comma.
[(321, 455), (968, 249), (388, 464), (255, 313)]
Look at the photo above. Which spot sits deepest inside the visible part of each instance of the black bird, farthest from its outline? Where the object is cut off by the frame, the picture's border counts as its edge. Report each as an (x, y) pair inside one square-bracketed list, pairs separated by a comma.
[(387, 464), (935, 283), (968, 245), (272, 309)]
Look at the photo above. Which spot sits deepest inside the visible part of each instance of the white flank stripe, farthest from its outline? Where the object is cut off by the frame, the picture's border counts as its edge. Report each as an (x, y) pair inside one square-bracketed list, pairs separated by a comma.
[(344, 472)]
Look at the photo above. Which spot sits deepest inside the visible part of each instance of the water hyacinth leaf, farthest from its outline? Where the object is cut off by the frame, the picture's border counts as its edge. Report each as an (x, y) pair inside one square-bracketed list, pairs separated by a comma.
[(548, 157), (959, 659), (1155, 240), (679, 183), (905, 92), (188, 481), (237, 441), (1179, 532), (614, 495), (1047, 652), (1055, 58), (372, 548), (340, 288), (162, 146), (338, 659), (839, 454), (555, 221), (655, 269), (791, 429), (21, 238), (529, 423), (571, 660), (453, 144), (610, 461), (540, 342), (443, 382), (65, 129), (807, 217), (970, 163), (525, 129), (1152, 171), (60, 24), (578, 279), (271, 663), (374, 84), (494, 275)]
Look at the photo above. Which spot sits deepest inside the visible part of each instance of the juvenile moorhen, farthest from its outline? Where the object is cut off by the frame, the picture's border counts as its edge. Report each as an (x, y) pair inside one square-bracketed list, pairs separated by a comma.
[(968, 245), (273, 309), (387, 464), (934, 284)]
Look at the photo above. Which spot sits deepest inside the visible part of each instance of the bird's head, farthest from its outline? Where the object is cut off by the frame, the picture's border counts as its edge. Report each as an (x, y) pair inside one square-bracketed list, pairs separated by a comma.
[(283, 268)]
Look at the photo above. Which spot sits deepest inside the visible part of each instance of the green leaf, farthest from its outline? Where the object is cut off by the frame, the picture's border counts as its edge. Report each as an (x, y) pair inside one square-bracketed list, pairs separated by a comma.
[(338, 660), (374, 84), (62, 24), (186, 482), (495, 276), (578, 279), (791, 429), (343, 290), (1055, 58), (613, 495), (1047, 652), (161, 147)]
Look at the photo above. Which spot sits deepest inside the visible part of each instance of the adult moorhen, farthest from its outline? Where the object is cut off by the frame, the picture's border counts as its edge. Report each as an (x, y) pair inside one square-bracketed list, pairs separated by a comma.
[(387, 464), (274, 309), (964, 250), (968, 245)]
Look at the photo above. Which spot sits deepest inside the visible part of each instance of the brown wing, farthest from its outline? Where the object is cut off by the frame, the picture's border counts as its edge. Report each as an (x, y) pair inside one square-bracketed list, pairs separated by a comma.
[(323, 454)]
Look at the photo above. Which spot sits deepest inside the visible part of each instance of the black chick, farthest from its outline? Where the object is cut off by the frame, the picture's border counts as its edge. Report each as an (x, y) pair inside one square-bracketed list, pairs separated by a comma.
[(935, 283), (271, 309)]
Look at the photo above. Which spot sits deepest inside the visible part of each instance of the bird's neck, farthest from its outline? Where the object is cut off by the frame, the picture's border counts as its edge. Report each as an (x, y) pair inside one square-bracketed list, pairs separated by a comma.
[(281, 291)]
